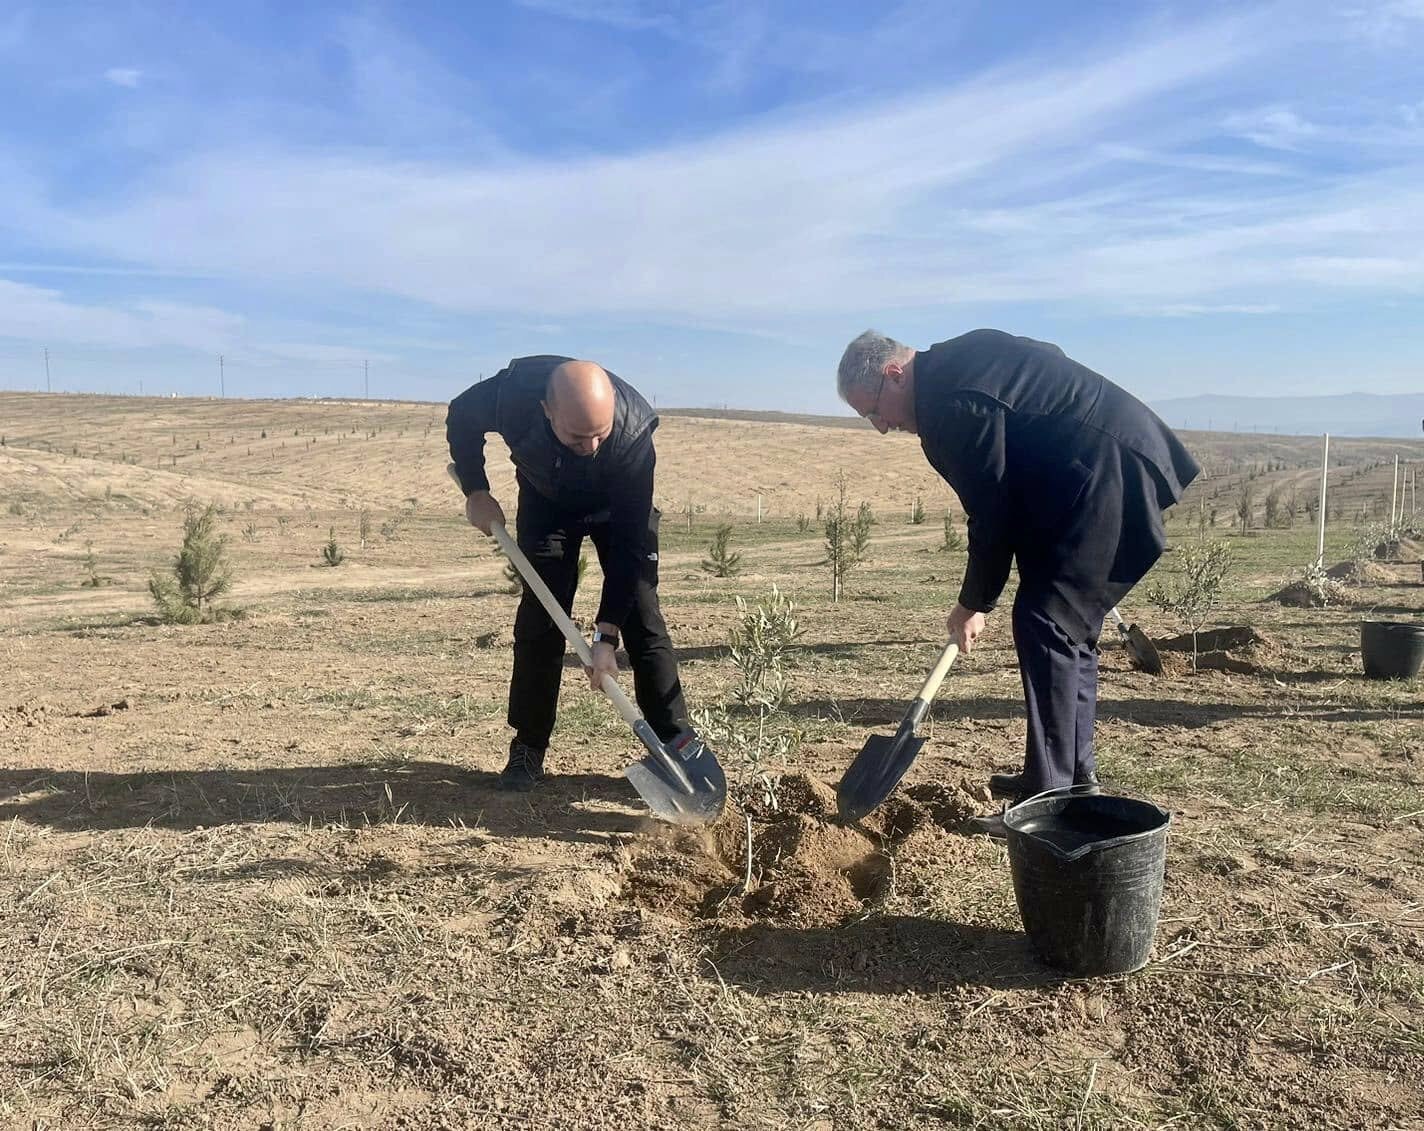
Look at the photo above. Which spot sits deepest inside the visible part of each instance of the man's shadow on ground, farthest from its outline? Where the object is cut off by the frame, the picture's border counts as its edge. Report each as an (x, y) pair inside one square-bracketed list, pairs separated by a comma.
[(571, 807), (881, 954)]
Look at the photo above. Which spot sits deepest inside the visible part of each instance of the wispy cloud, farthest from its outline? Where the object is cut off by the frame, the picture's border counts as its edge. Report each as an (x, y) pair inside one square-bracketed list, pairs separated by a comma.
[(635, 15), (124, 76), (985, 190), (1191, 309), (41, 314), (1276, 128)]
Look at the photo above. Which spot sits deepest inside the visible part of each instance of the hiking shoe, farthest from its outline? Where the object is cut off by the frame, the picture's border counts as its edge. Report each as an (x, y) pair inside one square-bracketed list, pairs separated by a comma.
[(1011, 786), (524, 770)]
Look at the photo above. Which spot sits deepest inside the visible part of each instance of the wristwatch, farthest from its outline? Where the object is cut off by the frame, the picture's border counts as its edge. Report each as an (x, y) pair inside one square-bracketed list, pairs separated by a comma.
[(601, 637)]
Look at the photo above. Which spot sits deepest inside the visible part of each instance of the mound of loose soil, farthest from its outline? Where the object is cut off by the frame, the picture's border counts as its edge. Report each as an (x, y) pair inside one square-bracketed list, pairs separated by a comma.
[(806, 868), (1299, 595), (1360, 573), (1235, 648)]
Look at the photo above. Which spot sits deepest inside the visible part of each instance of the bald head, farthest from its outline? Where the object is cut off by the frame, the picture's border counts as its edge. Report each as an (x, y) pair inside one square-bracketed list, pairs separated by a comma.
[(579, 402)]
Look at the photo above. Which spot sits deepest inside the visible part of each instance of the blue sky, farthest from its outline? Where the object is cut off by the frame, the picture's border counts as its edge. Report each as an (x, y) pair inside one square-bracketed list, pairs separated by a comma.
[(709, 198)]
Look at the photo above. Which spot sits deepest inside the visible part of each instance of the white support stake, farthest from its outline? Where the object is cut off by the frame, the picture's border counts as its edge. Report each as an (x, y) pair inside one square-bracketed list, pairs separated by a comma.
[(1394, 495), (1324, 480)]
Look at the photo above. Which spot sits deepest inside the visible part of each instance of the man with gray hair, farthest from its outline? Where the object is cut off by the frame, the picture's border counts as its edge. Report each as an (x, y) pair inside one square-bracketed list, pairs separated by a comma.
[(1058, 470)]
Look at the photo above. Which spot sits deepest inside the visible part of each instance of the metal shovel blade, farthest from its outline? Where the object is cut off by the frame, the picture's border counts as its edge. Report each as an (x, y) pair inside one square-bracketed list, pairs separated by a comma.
[(1143, 650), (876, 771), (666, 789)]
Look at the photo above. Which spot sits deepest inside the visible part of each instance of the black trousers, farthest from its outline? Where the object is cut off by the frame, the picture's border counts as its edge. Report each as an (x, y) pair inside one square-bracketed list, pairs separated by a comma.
[(1060, 680), (551, 538)]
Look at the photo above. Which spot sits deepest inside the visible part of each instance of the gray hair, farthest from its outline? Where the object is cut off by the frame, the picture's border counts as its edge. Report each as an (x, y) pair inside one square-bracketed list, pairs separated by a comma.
[(863, 364)]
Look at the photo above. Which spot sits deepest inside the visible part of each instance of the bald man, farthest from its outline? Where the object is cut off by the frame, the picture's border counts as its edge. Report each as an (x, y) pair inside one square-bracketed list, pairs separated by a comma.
[(581, 441)]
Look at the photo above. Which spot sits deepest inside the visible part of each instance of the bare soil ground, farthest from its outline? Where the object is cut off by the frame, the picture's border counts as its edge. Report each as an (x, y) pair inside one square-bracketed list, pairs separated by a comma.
[(254, 873)]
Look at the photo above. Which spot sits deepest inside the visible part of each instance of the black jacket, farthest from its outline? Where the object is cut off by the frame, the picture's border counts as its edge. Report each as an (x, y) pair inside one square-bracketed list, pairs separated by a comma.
[(615, 484), (1055, 466)]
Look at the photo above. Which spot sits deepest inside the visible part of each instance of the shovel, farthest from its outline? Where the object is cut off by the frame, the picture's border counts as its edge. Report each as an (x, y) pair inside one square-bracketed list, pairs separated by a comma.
[(1144, 652), (680, 780), (882, 761)]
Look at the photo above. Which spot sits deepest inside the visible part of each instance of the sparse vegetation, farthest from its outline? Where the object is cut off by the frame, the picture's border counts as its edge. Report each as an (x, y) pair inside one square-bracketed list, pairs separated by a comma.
[(720, 560), (1196, 587), (759, 646), (93, 579), (952, 540), (200, 573), (332, 554), (306, 800)]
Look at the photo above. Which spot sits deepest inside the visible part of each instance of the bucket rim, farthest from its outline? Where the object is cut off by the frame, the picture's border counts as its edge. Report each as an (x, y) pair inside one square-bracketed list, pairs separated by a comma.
[(1070, 792)]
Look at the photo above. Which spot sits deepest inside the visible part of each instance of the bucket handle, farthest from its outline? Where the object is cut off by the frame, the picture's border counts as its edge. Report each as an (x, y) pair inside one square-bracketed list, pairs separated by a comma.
[(1077, 790)]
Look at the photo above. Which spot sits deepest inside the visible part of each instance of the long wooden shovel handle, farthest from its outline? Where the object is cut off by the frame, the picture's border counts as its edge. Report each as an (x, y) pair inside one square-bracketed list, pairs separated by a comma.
[(511, 549), (936, 676)]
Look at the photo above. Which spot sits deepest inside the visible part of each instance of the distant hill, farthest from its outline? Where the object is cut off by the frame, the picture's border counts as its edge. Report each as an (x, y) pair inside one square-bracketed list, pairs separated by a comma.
[(1355, 414)]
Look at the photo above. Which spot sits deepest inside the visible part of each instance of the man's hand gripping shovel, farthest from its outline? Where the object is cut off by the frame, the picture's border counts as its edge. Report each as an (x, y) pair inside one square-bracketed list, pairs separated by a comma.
[(681, 779)]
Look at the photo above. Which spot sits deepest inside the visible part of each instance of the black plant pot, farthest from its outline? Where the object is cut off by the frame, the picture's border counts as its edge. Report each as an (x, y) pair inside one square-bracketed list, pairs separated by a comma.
[(1392, 649)]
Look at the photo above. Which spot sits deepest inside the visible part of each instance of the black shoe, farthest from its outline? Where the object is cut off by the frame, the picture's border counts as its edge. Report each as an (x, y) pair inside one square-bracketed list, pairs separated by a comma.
[(1011, 786), (524, 770), (991, 826)]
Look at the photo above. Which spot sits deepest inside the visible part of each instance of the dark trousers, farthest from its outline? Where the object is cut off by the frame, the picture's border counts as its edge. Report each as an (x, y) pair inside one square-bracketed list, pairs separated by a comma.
[(551, 538), (1060, 681)]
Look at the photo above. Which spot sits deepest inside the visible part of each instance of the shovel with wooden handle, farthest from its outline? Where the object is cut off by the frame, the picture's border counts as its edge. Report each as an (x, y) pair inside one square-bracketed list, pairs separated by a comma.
[(882, 761), (1139, 645), (681, 779)]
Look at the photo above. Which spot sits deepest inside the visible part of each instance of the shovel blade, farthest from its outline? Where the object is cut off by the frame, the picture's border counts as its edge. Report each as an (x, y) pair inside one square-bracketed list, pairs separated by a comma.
[(1144, 651), (666, 792), (875, 773)]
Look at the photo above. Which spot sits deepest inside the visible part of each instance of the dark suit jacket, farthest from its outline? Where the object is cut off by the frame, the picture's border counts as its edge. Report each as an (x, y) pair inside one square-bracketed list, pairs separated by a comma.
[(1056, 467), (617, 480)]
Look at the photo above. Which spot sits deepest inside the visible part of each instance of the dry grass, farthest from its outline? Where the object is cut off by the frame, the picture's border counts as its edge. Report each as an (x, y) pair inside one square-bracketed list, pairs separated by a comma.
[(277, 889)]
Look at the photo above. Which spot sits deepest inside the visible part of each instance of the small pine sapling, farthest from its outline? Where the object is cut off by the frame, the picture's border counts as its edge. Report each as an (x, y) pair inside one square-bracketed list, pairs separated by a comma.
[(720, 560), (953, 540), (200, 573)]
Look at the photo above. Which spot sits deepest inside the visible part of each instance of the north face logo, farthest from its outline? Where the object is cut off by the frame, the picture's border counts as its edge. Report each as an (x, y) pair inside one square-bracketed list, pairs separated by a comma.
[(653, 556)]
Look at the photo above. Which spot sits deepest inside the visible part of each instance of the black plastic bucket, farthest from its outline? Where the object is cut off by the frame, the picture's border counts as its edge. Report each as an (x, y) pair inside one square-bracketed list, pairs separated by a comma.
[(1392, 649), (1088, 875)]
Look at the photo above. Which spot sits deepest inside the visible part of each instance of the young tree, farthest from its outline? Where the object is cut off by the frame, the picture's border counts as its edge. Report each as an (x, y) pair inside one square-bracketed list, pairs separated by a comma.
[(860, 532), (840, 540), (332, 553), (759, 644), (201, 573), (1196, 589), (721, 562), (1243, 508), (917, 512), (953, 540)]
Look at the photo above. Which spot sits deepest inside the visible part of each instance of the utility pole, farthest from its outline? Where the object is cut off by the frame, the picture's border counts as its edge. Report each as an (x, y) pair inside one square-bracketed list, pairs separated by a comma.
[(47, 386), (366, 369), (222, 379)]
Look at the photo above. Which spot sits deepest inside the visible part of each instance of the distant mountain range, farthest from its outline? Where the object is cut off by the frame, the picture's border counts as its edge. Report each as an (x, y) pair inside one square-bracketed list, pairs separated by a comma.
[(1354, 414)]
